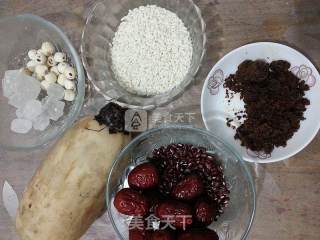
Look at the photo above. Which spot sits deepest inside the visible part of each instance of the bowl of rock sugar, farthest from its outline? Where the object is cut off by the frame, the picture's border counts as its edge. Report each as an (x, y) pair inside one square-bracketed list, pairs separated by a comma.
[(42, 82), (144, 53)]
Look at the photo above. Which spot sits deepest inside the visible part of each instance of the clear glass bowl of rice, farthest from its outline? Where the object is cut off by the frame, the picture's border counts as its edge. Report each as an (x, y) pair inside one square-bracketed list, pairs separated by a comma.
[(97, 42)]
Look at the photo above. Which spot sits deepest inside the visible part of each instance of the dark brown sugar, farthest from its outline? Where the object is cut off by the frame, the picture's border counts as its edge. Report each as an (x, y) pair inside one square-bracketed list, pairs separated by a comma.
[(274, 103)]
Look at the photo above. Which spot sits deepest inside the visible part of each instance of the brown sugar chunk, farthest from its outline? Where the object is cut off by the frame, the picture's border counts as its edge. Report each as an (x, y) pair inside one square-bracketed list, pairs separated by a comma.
[(274, 103)]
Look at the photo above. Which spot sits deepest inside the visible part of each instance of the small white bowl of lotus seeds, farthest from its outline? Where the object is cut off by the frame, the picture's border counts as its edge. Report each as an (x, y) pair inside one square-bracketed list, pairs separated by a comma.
[(40, 90)]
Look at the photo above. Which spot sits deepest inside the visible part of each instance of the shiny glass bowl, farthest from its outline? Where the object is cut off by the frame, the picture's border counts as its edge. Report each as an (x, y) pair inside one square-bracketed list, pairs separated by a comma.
[(97, 37), (235, 223), (18, 35)]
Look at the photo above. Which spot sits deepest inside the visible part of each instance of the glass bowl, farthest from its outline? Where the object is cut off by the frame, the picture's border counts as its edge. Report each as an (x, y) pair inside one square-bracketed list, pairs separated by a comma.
[(97, 37), (235, 223), (19, 34)]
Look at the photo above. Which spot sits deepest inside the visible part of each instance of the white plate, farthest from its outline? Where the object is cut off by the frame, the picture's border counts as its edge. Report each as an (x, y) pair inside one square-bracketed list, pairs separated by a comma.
[(215, 107)]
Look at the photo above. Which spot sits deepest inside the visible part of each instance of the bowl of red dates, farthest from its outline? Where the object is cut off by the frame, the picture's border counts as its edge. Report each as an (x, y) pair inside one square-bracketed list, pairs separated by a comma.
[(180, 183)]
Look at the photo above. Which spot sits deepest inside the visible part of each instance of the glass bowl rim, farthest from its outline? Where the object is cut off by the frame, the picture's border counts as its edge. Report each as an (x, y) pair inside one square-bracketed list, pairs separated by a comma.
[(150, 106), (78, 102), (202, 131)]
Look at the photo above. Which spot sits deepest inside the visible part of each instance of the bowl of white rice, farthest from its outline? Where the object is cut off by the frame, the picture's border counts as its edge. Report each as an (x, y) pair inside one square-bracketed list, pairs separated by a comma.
[(143, 53)]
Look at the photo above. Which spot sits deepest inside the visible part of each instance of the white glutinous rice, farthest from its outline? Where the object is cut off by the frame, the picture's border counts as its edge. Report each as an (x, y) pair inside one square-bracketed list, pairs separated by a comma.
[(151, 51)]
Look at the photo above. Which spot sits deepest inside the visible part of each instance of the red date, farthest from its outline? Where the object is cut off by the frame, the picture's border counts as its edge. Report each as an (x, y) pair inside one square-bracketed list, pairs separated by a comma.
[(130, 202), (177, 213), (144, 176), (188, 189)]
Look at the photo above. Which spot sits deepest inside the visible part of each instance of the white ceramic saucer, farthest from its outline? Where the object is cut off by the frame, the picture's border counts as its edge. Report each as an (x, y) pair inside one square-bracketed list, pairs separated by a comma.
[(215, 107)]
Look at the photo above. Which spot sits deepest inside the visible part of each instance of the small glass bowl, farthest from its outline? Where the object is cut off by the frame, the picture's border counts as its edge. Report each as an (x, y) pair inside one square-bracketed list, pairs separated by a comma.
[(97, 37), (235, 223), (19, 34)]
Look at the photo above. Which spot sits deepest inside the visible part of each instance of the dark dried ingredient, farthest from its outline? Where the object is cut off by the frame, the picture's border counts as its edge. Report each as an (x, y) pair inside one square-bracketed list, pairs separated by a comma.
[(274, 103), (113, 116)]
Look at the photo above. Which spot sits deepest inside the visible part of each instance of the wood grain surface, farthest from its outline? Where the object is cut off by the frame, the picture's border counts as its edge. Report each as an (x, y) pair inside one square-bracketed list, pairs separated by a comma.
[(289, 191)]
